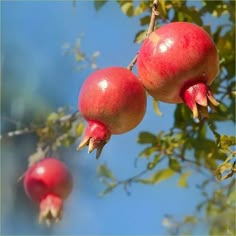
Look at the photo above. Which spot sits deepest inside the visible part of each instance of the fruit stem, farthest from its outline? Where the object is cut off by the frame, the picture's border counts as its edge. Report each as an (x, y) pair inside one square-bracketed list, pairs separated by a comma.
[(151, 28), (155, 13)]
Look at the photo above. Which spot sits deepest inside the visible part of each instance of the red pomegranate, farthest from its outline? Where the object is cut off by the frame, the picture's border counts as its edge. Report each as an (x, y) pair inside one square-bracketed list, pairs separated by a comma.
[(177, 63), (113, 101), (48, 182)]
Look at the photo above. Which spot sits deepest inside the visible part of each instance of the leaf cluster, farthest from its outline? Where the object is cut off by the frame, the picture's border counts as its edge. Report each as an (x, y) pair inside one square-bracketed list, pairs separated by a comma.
[(190, 144)]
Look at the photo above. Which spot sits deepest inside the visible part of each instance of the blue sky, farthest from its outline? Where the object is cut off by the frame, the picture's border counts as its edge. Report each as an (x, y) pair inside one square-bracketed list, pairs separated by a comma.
[(37, 32)]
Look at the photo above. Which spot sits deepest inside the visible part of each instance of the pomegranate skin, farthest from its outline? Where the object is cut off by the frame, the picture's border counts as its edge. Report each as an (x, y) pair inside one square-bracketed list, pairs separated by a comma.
[(113, 101), (176, 57), (48, 182)]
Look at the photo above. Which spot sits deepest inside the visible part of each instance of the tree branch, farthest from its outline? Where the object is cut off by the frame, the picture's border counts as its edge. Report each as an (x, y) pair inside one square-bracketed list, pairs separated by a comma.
[(28, 130), (130, 180), (151, 28)]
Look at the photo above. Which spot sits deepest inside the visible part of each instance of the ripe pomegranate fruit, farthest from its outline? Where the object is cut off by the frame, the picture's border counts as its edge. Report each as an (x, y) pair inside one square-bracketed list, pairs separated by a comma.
[(48, 182), (177, 63), (113, 101)]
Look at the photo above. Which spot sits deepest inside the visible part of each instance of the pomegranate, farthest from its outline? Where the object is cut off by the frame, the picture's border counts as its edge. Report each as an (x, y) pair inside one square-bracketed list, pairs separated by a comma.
[(48, 182), (177, 63), (113, 101)]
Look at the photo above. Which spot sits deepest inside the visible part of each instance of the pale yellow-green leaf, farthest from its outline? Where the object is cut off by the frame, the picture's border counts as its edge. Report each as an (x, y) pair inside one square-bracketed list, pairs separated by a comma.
[(79, 56), (68, 140), (227, 141), (52, 118), (140, 8), (127, 7), (162, 175), (79, 129), (140, 36), (147, 152), (232, 197), (157, 177), (190, 219), (182, 182), (108, 189), (156, 108), (233, 93), (154, 162), (104, 171)]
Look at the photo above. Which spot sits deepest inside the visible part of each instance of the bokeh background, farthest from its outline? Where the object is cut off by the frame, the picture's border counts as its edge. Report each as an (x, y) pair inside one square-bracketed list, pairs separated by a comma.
[(38, 77)]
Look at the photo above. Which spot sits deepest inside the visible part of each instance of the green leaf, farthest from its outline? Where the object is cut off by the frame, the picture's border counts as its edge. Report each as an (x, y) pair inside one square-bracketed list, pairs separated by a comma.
[(182, 182), (127, 7), (162, 175), (209, 6), (182, 116), (107, 190), (227, 141), (147, 152), (190, 14), (159, 176), (79, 56), (98, 4), (141, 8), (52, 118), (140, 36), (225, 167), (153, 163), (232, 196), (155, 105), (190, 219), (144, 20), (104, 171), (174, 165), (146, 138), (162, 8), (79, 129), (68, 140), (200, 205)]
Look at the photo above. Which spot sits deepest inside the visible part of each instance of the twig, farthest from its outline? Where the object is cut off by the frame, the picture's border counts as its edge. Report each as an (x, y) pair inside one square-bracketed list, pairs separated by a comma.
[(18, 132), (133, 62), (28, 130), (151, 28), (14, 122), (130, 180)]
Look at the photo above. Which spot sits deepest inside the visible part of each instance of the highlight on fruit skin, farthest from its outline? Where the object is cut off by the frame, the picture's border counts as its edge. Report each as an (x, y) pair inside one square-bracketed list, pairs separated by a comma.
[(113, 101), (177, 63), (48, 182)]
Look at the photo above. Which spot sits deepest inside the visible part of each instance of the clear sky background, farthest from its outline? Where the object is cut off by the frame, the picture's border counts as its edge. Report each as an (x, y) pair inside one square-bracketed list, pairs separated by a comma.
[(33, 34)]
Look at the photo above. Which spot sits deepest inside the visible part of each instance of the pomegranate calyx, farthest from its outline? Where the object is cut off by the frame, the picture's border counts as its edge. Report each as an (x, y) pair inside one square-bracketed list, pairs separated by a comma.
[(198, 97), (96, 136), (92, 144), (50, 209)]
